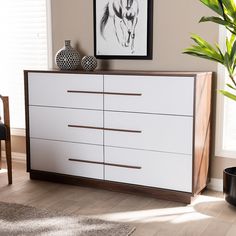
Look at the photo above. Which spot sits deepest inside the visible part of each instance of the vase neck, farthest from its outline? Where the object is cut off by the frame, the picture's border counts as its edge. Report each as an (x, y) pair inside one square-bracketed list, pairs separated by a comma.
[(67, 43)]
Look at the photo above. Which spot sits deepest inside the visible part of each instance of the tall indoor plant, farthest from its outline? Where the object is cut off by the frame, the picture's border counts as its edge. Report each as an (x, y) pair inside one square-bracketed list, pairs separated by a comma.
[(226, 11)]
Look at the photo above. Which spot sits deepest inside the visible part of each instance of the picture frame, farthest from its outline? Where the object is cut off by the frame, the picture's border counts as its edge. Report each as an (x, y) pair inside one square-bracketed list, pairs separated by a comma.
[(123, 29)]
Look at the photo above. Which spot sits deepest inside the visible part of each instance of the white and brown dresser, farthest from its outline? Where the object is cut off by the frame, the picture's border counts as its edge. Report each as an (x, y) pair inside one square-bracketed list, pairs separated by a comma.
[(139, 132)]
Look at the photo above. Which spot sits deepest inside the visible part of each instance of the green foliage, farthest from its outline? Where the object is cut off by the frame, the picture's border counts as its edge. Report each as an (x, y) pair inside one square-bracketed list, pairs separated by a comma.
[(205, 50), (228, 94), (214, 5), (226, 10)]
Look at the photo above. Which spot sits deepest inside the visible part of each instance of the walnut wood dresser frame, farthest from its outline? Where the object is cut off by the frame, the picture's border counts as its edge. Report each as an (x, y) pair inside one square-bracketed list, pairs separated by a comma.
[(139, 132)]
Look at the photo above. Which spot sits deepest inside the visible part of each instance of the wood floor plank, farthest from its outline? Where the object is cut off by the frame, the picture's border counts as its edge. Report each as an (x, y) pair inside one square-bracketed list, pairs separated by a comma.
[(232, 231), (217, 228)]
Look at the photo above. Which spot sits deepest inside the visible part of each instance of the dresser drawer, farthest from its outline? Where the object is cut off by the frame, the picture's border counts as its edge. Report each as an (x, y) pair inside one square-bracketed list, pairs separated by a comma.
[(53, 156), (147, 131), (72, 125), (66, 90), (153, 169), (149, 94)]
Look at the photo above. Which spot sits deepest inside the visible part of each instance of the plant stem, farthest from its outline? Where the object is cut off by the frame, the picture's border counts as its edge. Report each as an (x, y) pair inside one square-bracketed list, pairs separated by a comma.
[(223, 10), (232, 79)]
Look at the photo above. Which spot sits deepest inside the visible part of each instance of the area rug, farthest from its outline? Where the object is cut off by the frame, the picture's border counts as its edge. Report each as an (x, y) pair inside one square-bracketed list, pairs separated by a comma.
[(19, 220)]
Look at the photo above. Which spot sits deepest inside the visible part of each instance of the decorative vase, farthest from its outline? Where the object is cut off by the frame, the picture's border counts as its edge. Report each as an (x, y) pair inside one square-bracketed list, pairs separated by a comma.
[(67, 58), (89, 63)]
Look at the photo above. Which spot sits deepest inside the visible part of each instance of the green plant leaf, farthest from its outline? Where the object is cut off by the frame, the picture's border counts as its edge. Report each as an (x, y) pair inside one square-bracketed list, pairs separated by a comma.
[(230, 8), (228, 94), (219, 50), (232, 38), (228, 63), (228, 45), (233, 50), (204, 49), (213, 5), (196, 53), (230, 86), (201, 42), (214, 19), (228, 24)]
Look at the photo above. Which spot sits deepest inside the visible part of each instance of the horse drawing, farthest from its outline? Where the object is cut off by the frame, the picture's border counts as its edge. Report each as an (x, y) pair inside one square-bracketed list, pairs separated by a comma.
[(124, 14)]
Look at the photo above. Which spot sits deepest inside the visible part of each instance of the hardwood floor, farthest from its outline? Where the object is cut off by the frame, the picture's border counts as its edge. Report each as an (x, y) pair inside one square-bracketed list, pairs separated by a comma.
[(208, 215)]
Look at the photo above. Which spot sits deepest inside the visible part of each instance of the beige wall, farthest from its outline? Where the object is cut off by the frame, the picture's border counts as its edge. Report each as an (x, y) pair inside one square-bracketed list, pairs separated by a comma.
[(18, 144), (173, 23), (218, 164)]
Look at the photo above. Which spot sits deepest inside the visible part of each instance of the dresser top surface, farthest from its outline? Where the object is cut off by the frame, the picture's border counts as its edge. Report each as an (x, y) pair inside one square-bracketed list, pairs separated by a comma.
[(127, 72)]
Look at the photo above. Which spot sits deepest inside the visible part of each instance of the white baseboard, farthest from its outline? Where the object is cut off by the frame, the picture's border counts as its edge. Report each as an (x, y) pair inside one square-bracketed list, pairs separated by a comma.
[(216, 185), (16, 156)]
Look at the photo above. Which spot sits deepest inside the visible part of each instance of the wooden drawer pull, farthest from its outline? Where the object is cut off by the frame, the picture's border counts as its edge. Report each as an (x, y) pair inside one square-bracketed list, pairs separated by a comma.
[(108, 129), (84, 161), (123, 130), (105, 93), (89, 92), (85, 127), (106, 164), (123, 166), (123, 94)]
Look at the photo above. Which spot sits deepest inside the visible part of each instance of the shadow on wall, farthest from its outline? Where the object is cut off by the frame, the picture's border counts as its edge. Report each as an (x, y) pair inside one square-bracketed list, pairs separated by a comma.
[(213, 120), (102, 64), (81, 52)]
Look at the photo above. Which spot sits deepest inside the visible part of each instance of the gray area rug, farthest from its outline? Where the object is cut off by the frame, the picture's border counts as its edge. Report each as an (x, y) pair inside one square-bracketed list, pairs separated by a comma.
[(20, 220)]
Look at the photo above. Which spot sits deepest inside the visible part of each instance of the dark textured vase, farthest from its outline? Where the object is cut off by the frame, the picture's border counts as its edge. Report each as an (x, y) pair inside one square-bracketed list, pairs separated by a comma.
[(89, 63), (229, 185), (67, 58)]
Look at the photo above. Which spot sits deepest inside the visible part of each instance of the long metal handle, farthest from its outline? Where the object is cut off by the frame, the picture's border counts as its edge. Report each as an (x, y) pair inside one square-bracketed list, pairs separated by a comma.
[(123, 166), (101, 128), (85, 161), (106, 164), (104, 93)]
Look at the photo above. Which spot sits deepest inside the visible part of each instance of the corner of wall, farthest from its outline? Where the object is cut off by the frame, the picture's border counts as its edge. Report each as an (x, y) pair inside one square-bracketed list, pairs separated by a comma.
[(216, 185)]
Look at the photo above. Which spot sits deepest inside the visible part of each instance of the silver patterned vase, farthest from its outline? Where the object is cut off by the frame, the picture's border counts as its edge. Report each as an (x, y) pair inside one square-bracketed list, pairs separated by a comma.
[(89, 63), (67, 58)]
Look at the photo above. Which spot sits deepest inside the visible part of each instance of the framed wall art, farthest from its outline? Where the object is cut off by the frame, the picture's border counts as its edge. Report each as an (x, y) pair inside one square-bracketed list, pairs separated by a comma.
[(123, 29)]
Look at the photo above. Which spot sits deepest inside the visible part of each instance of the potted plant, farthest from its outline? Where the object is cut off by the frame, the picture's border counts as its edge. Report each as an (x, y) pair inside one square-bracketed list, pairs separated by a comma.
[(226, 16)]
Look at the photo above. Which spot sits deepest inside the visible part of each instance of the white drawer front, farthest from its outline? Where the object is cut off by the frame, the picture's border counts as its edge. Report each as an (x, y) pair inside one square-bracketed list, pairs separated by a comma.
[(52, 123), (53, 156), (154, 169), (66, 90), (152, 94), (151, 132)]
